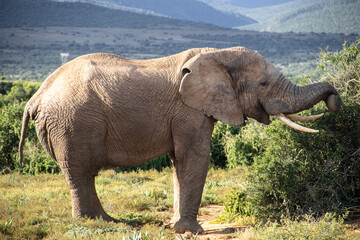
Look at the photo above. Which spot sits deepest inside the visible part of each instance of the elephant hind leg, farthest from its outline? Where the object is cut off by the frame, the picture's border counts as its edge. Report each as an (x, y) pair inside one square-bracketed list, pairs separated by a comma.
[(98, 208), (85, 202)]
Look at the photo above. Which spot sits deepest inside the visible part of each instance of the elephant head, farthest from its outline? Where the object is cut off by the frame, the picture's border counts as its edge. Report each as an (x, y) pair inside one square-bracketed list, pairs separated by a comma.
[(233, 84)]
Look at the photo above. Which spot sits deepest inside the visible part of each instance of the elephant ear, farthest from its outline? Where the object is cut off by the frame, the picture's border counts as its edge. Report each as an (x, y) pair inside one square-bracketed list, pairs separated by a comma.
[(207, 86)]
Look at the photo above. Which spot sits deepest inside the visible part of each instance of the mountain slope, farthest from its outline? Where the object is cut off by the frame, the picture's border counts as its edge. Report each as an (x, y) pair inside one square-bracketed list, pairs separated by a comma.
[(273, 10), (245, 3), (41, 13), (191, 10), (332, 16)]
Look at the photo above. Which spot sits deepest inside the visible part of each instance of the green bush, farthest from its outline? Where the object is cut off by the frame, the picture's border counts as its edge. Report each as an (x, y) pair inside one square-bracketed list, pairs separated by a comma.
[(36, 159), (20, 91), (243, 146), (236, 205), (12, 105), (10, 124), (218, 157), (295, 173)]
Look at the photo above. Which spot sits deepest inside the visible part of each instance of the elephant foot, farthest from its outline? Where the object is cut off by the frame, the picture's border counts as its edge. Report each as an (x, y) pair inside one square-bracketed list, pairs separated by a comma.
[(187, 225), (93, 214), (106, 218)]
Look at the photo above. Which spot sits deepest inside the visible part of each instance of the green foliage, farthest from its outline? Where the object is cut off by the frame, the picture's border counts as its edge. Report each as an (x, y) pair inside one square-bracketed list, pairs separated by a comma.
[(242, 147), (342, 71), (12, 104), (10, 122), (5, 86), (218, 157), (236, 204), (295, 173), (37, 160), (20, 91)]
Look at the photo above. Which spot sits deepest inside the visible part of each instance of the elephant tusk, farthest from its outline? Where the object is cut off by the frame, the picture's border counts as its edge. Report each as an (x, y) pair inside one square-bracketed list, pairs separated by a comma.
[(303, 118), (293, 125)]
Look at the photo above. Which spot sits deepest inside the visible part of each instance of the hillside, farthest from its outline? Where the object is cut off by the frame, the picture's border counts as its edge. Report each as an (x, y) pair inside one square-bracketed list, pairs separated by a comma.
[(265, 13), (41, 13), (332, 16), (244, 3), (190, 10)]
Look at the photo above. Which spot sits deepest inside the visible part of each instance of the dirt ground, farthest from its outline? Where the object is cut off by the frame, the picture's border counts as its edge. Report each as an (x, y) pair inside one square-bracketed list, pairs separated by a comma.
[(217, 231), (212, 230)]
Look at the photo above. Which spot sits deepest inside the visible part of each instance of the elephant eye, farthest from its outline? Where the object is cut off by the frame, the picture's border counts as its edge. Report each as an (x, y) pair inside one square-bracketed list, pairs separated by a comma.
[(264, 84)]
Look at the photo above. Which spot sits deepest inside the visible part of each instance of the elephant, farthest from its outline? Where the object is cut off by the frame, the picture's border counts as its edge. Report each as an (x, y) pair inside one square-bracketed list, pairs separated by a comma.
[(102, 110)]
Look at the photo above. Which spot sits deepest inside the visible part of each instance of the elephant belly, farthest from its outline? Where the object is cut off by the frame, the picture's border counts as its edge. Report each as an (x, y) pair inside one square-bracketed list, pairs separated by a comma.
[(136, 142)]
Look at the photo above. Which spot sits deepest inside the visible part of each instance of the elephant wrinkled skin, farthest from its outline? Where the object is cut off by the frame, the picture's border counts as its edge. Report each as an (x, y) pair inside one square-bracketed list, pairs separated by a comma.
[(103, 110)]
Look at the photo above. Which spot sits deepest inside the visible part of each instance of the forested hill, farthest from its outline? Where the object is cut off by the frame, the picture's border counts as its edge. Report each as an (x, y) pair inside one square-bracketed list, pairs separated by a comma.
[(331, 16), (42, 13)]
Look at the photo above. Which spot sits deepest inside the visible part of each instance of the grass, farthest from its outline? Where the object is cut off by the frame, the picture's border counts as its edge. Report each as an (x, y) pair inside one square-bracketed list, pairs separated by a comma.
[(39, 206)]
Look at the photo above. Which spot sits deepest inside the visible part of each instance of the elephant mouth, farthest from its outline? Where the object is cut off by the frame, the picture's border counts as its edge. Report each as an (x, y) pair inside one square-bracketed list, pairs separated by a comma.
[(261, 115)]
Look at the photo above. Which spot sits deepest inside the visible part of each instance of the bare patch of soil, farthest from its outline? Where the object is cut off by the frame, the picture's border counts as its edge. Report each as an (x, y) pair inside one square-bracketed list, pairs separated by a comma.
[(213, 230)]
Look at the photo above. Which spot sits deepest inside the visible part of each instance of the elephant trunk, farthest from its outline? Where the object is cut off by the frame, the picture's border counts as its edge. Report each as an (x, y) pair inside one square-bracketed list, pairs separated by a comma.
[(295, 99), (307, 96)]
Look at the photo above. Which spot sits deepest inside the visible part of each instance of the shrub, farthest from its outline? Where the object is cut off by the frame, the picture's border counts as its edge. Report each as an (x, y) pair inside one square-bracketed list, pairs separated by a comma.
[(218, 156), (12, 105), (10, 124), (37, 160), (243, 146), (19, 91)]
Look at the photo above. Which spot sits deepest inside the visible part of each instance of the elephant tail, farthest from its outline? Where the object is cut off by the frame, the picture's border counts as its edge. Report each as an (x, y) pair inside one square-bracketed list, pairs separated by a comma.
[(25, 122)]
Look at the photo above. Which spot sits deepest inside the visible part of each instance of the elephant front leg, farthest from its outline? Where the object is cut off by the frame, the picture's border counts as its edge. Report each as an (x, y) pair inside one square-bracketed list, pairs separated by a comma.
[(191, 159), (189, 180)]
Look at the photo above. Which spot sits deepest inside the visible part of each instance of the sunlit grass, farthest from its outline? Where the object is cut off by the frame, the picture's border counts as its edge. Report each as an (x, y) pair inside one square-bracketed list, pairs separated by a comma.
[(39, 206)]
